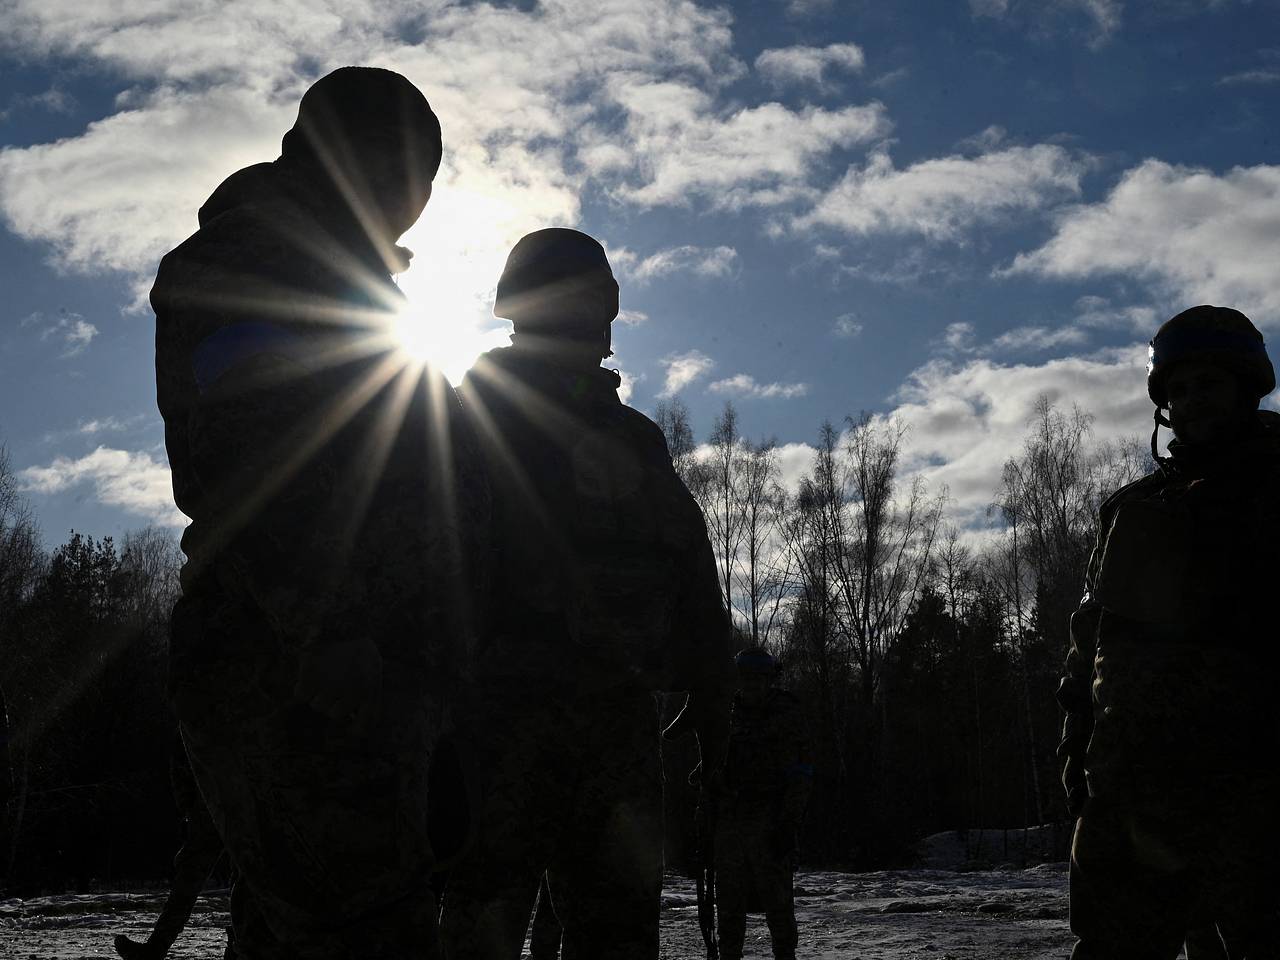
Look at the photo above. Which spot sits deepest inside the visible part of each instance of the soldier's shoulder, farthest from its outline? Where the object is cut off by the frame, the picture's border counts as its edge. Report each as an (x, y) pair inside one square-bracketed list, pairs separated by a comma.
[(1138, 489), (646, 433)]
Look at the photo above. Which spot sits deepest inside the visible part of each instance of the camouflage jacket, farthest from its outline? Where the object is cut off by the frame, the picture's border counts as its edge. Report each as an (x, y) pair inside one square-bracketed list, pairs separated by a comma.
[(604, 571), (332, 487), (1169, 676), (767, 761)]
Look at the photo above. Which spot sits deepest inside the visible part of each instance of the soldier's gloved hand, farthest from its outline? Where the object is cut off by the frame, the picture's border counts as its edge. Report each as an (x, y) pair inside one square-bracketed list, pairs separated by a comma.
[(341, 679)]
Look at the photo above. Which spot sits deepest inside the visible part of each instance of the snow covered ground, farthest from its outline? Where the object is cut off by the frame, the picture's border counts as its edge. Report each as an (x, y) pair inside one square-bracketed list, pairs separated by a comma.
[(942, 915)]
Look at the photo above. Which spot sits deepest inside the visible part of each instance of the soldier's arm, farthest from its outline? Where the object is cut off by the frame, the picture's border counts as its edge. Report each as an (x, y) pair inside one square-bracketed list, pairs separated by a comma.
[(258, 438), (1075, 690), (798, 774)]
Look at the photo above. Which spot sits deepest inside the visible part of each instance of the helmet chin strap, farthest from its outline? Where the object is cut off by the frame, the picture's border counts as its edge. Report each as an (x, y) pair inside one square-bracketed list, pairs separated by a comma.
[(1161, 421)]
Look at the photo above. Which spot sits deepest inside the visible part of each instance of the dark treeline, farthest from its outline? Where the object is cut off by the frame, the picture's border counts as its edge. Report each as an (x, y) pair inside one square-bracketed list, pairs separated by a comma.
[(926, 659), (82, 669)]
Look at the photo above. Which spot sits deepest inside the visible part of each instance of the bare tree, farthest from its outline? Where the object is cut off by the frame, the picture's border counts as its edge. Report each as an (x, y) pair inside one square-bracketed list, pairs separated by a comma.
[(151, 559), (672, 417), (764, 579), (884, 565), (717, 485)]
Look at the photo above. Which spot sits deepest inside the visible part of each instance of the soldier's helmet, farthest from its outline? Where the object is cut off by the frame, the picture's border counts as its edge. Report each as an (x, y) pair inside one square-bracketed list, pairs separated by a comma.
[(1220, 334), (557, 282), (755, 660)]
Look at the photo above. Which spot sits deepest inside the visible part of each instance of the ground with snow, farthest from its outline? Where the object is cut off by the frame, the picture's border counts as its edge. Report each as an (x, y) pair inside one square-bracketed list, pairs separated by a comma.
[(1011, 914)]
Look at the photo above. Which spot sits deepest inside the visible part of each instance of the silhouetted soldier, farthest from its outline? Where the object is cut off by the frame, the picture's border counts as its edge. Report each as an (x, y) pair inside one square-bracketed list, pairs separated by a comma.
[(200, 852), (606, 591), (332, 497), (1170, 738), (760, 793)]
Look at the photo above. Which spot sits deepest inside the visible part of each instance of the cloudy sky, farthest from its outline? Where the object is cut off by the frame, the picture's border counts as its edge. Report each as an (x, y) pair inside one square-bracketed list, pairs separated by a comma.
[(815, 207)]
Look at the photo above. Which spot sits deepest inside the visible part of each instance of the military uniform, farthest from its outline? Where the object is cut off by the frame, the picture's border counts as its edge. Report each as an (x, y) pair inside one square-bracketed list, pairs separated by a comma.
[(606, 590), (1170, 736), (760, 797), (333, 495)]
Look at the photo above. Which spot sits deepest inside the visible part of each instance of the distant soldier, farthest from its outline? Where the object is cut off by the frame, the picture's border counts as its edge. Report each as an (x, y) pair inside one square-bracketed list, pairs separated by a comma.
[(759, 796), (200, 852), (606, 590), (1170, 740), (327, 594)]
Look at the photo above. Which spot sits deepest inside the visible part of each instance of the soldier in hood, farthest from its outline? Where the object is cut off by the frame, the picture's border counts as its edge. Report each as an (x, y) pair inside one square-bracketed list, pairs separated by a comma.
[(326, 597), (1170, 737)]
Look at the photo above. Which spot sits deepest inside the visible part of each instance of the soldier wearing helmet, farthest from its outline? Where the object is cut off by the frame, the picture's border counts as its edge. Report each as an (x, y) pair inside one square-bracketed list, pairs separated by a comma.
[(606, 590), (1170, 737), (759, 795)]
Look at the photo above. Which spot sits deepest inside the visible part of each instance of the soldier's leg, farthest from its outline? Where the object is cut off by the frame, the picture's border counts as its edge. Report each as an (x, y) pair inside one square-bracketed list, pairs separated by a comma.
[(774, 886), (191, 868), (606, 872), (1242, 887), (493, 889), (733, 878), (1132, 887), (325, 823)]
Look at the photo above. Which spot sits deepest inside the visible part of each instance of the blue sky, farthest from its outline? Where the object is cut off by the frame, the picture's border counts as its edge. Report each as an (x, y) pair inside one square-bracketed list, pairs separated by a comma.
[(931, 210)]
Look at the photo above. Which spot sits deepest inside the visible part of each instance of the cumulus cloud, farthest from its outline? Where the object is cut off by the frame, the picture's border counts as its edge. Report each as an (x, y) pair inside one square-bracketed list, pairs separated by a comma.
[(966, 419), (132, 481), (801, 64), (941, 198), (703, 261), (632, 318), (1258, 78), (1104, 17), (683, 369), (1197, 236), (75, 332), (760, 156), (847, 326), (745, 385), (627, 92)]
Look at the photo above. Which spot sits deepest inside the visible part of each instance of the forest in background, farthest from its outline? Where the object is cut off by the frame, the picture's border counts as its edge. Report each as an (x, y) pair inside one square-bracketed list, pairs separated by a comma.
[(926, 656)]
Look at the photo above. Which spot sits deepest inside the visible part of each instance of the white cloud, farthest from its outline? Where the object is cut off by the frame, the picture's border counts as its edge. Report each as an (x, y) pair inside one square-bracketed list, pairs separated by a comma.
[(1099, 312), (959, 336), (1251, 78), (703, 261), (1104, 16), (683, 369), (966, 420), (1196, 236), (941, 198), (847, 326), (1032, 338), (75, 332), (801, 64), (120, 478), (760, 156), (629, 92), (632, 318), (745, 385)]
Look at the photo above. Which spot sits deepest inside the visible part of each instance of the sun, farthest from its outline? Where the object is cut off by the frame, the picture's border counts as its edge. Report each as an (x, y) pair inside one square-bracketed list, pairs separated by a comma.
[(450, 346)]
